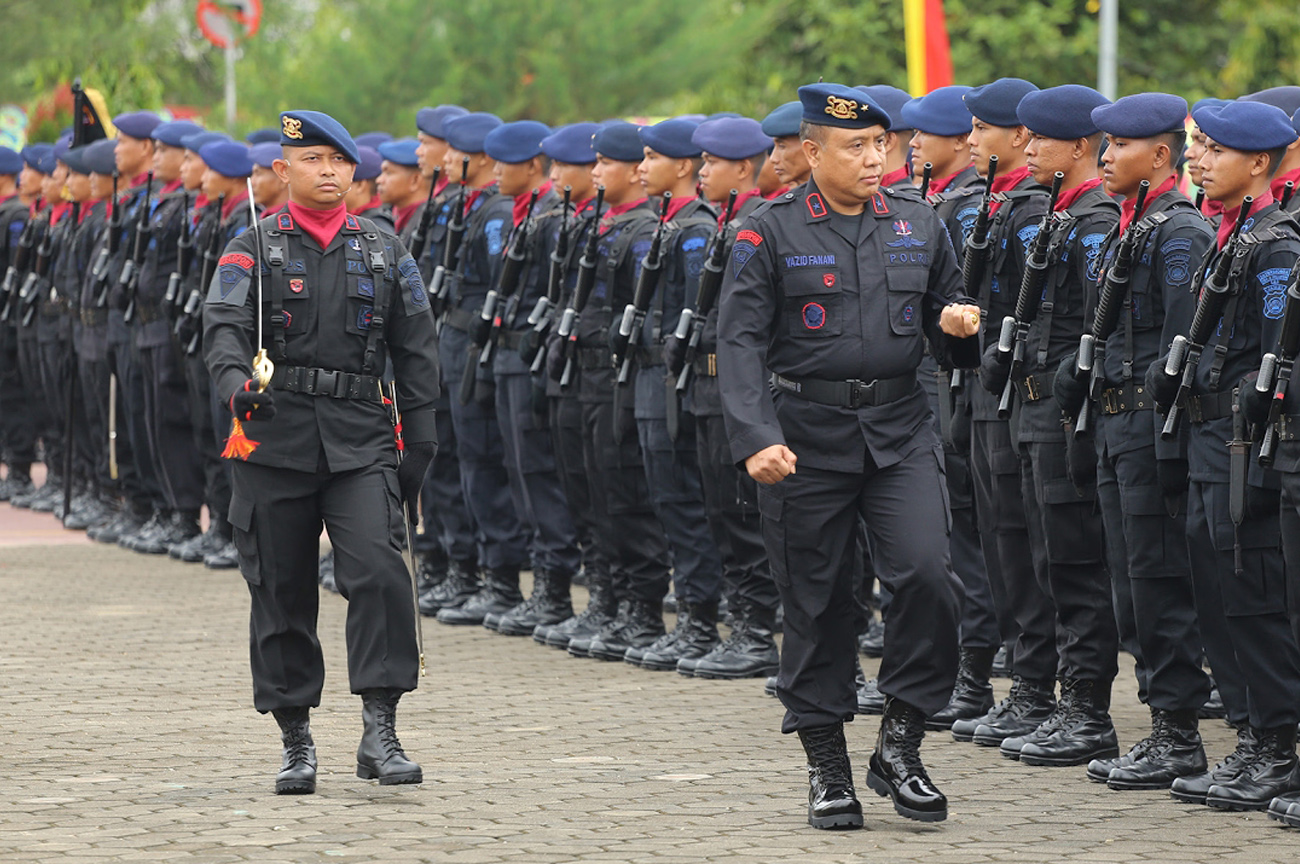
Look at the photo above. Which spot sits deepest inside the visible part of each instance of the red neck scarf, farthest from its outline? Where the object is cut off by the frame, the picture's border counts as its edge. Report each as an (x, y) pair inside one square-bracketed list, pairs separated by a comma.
[(232, 203), (1005, 183), (520, 210), (1067, 199), (140, 179), (58, 211), (1230, 217), (676, 204), (740, 202), (401, 215), (1126, 208), (321, 225), (170, 187), (618, 210), (369, 205), (937, 186), (896, 176), (1278, 185)]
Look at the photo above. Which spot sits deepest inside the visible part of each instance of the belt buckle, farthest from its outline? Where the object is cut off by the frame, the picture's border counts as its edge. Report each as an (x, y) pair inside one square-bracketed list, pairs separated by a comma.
[(327, 382), (1194, 409), (858, 391), (1109, 402), (1031, 388)]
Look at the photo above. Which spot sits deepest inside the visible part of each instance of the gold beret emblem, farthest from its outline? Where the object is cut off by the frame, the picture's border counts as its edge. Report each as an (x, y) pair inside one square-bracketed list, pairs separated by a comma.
[(842, 109), (292, 128)]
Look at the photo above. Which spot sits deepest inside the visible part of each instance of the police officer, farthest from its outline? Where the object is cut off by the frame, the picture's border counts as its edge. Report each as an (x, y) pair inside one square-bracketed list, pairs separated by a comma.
[(401, 184), (270, 192), (20, 182), (363, 198), (848, 434), (1288, 168), (787, 159), (898, 171), (1237, 568), (329, 288)]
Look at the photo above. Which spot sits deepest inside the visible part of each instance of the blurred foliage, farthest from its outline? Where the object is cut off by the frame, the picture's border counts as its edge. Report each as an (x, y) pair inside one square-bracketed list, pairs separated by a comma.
[(372, 63)]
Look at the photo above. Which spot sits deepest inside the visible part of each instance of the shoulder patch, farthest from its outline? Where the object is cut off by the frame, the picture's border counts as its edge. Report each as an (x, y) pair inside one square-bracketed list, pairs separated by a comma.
[(495, 236), (743, 250), (236, 258), (1092, 251), (1027, 234), (414, 283), (1177, 257), (748, 236), (1274, 282)]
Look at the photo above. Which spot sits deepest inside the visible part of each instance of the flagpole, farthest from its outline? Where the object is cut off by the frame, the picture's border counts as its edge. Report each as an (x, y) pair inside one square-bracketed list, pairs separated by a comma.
[(230, 83), (1108, 49)]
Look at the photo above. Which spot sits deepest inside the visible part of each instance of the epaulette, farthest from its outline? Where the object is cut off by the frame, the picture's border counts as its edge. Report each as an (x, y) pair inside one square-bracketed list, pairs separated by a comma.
[(907, 193)]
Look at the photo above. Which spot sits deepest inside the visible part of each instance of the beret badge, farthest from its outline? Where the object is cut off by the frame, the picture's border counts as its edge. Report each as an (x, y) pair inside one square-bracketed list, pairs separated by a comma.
[(841, 109), (292, 128)]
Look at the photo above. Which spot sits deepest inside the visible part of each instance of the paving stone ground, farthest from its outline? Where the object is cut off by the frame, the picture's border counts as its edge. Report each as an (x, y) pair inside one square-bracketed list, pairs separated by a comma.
[(128, 735)]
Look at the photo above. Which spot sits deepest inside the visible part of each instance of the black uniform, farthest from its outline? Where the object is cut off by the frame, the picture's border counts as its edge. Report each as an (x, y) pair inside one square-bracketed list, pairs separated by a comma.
[(329, 319), (804, 299), (17, 433)]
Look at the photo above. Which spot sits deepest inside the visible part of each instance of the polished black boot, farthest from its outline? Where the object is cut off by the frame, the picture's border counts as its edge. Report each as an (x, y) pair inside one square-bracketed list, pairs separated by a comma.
[(872, 643), (298, 764), (696, 636), (580, 645), (832, 801), (1285, 809), (1026, 707), (1273, 771), (895, 770), (870, 699), (1084, 733), (972, 695), (380, 754), (587, 623), (431, 571), (1173, 750), (642, 627), (462, 583), (749, 652), (1194, 788), (551, 604), (500, 594)]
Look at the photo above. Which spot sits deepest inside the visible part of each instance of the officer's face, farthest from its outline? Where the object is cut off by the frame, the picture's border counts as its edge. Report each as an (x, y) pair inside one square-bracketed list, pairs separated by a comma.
[(1195, 151), (101, 186), (317, 175), (620, 179), (1129, 161), (1005, 142), (29, 182), (578, 177), (1229, 175), (719, 176), (659, 173), (132, 155), (847, 164), (430, 154), (516, 178), (768, 181), (192, 169), (1046, 156), (946, 153), (52, 184), (267, 187), (167, 162), (397, 183), (78, 186), (788, 160)]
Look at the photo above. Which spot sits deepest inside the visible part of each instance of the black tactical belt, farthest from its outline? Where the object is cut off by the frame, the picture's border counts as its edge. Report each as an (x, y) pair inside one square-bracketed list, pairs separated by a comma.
[(1288, 427), (1131, 397), (1031, 388), (461, 319), (94, 317), (706, 365), (327, 382), (848, 394), (594, 358), (510, 339), (147, 313), (1212, 406)]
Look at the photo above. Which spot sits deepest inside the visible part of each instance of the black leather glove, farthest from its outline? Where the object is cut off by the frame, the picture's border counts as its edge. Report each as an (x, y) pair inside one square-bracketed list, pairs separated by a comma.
[(529, 343), (410, 475), (995, 368), (1254, 404), (1081, 460), (675, 355), (247, 404), (1171, 474), (555, 360), (1069, 391), (1163, 388)]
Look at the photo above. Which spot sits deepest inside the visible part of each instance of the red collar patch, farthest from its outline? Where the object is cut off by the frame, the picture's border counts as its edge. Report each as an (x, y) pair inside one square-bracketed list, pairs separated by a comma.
[(352, 223), (816, 206), (284, 221), (878, 204)]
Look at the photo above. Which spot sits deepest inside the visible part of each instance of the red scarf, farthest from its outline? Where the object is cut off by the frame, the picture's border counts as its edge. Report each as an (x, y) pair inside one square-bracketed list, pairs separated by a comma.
[(740, 202), (618, 210), (1211, 209), (171, 187), (1005, 183), (937, 186), (232, 204), (1128, 205), (321, 225), (140, 179), (896, 176), (521, 202), (442, 184), (58, 211), (401, 215), (1278, 184), (369, 205), (271, 211), (1230, 217), (1066, 199), (676, 204)]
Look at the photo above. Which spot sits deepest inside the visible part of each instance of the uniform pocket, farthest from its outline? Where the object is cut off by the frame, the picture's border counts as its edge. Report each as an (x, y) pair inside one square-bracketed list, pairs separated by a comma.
[(906, 289), (771, 505), (813, 303), (244, 530)]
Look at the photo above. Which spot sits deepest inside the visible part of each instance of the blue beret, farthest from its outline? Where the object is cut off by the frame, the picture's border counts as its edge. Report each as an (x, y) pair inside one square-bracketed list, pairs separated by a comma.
[(369, 164), (1286, 98), (433, 121), (266, 153), (100, 158), (1064, 112), (516, 142), (837, 105), (1142, 115), (137, 124), (996, 103), (1247, 126), (939, 112), (1295, 121), (572, 144), (61, 147), (618, 140), (720, 115), (694, 118), (672, 138), (227, 158), (891, 99), (1208, 101), (75, 159), (196, 141), (400, 152), (173, 132), (262, 136), (34, 155), (313, 128), (731, 138), (11, 161), (372, 139), (783, 121), (467, 131), (49, 161)]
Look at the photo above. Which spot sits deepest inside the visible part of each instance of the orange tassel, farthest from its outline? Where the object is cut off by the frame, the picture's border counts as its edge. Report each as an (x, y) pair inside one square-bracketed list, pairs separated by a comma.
[(238, 445)]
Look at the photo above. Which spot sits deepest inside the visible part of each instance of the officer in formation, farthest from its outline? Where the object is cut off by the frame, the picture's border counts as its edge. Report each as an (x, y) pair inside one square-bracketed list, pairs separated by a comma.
[(799, 413)]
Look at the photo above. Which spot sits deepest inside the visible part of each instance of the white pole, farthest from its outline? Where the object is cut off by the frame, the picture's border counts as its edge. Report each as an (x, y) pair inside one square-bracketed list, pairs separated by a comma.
[(1108, 49), (230, 84)]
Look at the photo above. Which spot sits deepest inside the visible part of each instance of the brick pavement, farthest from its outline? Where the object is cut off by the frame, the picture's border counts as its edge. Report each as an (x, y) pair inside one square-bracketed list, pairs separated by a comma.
[(128, 736)]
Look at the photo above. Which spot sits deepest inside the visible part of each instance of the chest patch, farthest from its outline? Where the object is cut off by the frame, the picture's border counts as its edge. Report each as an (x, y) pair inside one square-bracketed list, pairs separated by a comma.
[(814, 315), (905, 240), (1274, 282), (296, 286)]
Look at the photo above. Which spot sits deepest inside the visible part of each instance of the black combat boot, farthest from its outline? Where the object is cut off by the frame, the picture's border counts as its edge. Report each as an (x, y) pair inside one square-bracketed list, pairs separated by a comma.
[(1026, 707), (380, 754), (1099, 769), (749, 652), (1273, 771), (972, 695), (832, 801), (580, 645), (872, 643), (194, 549), (431, 571), (696, 635), (1173, 750), (1084, 733), (1213, 709), (769, 686), (524, 608), (1194, 788), (895, 770), (176, 528), (500, 593), (1285, 809), (643, 626), (462, 583), (298, 763), (548, 604), (600, 611), (870, 699)]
